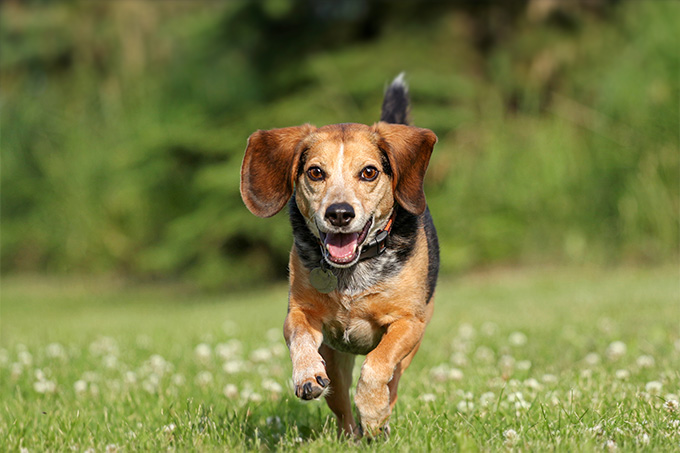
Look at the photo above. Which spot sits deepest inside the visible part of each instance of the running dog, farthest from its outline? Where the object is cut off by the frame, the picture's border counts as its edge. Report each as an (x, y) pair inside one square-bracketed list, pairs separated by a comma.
[(365, 258)]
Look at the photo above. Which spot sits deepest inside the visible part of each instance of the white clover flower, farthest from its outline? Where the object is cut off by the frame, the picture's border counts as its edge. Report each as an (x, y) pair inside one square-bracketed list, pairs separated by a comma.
[(459, 359), (616, 350), (671, 405), (159, 365), (517, 339), (204, 378), (230, 391), (255, 397), (272, 386), (487, 399), (25, 358), (610, 445), (524, 365), (549, 379), (178, 379), (150, 384), (506, 363), (203, 352), (592, 359), (104, 345), (465, 406), (261, 355), (644, 439), (80, 386), (440, 372), (169, 428), (233, 366), (55, 351), (511, 437), (654, 387), (455, 374), (110, 361), (533, 384), (461, 345), (130, 377), (622, 374), (111, 448), (427, 397), (586, 374), (44, 386), (515, 396), (645, 361), (466, 331), (484, 354), (597, 429)]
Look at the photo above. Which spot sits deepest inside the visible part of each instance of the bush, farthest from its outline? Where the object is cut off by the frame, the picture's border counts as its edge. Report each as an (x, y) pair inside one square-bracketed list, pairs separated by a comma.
[(124, 124)]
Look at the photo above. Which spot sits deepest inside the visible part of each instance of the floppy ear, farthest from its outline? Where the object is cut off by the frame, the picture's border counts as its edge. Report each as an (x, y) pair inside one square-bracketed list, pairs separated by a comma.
[(408, 151), (269, 168)]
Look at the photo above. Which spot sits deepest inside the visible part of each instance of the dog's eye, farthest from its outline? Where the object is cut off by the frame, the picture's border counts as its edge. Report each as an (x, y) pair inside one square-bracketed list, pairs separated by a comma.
[(369, 173), (315, 173)]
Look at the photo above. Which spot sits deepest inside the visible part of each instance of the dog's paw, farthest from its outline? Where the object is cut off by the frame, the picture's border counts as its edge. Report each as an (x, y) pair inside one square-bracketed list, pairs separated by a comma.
[(310, 388), (370, 434), (372, 401)]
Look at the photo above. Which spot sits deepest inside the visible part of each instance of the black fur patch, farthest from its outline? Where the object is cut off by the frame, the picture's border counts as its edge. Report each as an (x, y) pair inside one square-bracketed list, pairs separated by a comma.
[(366, 273)]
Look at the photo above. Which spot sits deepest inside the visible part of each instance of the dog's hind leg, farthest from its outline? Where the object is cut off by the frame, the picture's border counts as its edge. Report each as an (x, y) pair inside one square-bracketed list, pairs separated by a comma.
[(339, 367)]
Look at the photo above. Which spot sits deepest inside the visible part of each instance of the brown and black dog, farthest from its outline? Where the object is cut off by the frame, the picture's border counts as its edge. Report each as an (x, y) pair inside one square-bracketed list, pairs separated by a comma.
[(365, 258)]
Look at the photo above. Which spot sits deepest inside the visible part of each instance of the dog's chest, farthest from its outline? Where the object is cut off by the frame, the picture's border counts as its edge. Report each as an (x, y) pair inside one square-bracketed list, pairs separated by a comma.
[(351, 333)]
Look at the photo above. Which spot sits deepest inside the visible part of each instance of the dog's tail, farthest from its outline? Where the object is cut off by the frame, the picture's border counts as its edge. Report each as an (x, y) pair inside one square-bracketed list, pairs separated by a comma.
[(395, 108)]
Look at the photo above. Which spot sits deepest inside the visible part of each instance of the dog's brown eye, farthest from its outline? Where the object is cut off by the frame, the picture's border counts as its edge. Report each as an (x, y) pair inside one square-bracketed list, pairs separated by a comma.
[(369, 173), (315, 173)]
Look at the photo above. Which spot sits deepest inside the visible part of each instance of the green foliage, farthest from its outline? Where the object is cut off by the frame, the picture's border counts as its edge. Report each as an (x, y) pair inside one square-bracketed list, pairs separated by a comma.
[(124, 123), (569, 359)]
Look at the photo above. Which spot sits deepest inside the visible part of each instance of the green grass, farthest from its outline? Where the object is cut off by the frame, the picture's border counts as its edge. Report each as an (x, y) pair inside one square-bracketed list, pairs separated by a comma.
[(569, 359)]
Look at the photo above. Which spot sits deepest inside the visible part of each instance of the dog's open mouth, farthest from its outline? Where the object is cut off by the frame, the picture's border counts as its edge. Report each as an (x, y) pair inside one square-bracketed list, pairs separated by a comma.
[(343, 248)]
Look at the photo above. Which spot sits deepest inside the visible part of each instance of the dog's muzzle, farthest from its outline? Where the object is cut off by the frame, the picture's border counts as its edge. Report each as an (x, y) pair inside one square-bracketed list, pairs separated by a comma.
[(344, 248)]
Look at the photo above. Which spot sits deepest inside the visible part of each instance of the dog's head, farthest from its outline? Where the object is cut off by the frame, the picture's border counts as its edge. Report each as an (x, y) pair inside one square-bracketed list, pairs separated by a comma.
[(347, 178)]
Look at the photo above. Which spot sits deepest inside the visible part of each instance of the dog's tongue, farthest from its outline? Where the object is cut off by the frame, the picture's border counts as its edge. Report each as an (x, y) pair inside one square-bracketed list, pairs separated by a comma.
[(341, 246)]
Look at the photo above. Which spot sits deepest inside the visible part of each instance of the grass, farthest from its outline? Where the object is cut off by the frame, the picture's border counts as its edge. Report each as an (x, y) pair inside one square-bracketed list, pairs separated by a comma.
[(532, 359)]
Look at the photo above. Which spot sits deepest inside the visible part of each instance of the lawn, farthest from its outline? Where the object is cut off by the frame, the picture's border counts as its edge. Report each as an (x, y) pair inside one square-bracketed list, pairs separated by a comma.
[(528, 359)]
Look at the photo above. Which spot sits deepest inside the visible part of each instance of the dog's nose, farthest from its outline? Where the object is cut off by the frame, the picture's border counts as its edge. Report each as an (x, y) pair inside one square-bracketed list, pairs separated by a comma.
[(340, 214)]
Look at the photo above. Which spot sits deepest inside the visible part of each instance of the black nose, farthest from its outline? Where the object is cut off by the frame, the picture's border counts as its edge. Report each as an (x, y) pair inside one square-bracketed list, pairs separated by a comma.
[(340, 214)]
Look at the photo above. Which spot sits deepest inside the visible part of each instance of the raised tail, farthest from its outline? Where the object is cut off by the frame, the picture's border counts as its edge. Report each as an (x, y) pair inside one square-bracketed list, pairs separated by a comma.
[(396, 105)]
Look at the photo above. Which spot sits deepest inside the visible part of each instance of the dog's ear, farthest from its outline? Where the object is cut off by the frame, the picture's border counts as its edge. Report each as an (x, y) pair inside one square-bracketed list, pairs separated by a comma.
[(408, 151), (269, 168)]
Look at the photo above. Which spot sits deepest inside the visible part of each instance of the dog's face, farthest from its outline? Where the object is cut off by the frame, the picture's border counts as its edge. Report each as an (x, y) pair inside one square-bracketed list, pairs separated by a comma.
[(347, 178)]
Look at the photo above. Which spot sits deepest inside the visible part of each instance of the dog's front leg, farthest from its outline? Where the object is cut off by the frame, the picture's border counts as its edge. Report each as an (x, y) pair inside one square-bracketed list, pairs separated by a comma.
[(373, 395), (303, 337)]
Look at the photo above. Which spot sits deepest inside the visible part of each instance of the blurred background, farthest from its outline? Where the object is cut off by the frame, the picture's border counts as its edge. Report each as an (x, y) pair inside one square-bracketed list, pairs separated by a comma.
[(123, 126)]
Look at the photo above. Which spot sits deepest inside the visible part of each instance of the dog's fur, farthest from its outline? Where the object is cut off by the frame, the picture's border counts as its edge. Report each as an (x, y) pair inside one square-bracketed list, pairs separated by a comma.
[(346, 183)]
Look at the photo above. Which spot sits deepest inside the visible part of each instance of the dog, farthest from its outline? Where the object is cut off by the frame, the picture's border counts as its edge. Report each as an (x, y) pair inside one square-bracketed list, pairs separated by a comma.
[(365, 258)]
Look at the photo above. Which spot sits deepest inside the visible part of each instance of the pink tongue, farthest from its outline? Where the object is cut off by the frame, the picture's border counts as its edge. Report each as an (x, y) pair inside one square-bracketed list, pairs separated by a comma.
[(341, 246)]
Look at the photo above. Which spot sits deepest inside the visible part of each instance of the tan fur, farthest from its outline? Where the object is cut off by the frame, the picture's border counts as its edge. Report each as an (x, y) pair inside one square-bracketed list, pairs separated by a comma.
[(388, 319)]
